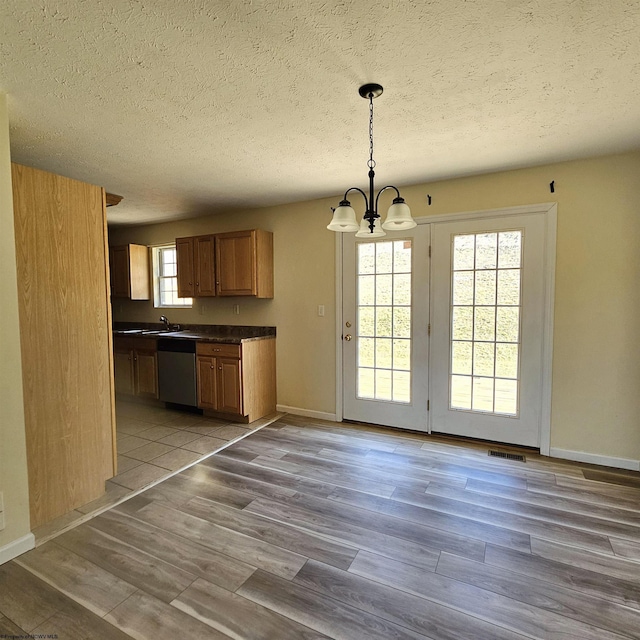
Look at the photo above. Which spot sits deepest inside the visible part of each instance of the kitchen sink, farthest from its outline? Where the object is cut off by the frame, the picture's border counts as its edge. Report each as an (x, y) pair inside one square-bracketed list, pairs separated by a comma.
[(150, 332)]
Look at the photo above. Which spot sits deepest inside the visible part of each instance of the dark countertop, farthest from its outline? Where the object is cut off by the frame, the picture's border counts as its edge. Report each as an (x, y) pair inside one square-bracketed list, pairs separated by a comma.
[(228, 334)]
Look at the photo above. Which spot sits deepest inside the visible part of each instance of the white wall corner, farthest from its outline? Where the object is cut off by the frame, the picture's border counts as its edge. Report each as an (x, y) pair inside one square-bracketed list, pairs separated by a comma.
[(594, 458), (17, 547)]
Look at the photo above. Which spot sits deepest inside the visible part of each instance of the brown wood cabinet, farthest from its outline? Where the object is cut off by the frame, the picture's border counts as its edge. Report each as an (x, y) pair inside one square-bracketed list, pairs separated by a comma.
[(244, 263), (136, 366), (65, 328), (239, 263), (195, 264), (237, 381), (129, 266), (185, 268)]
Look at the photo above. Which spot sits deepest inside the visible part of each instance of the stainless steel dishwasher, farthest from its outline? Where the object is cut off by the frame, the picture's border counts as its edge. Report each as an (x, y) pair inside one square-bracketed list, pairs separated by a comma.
[(177, 371)]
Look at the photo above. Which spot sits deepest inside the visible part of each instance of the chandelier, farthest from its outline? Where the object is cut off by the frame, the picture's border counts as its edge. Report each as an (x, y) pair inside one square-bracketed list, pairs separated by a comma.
[(399, 215)]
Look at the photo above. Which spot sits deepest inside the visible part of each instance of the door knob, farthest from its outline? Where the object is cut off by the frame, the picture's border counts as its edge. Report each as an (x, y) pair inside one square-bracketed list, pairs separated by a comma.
[(348, 337)]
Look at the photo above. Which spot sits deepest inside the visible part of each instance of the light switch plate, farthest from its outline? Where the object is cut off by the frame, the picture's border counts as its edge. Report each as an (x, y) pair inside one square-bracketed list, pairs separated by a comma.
[(321, 310)]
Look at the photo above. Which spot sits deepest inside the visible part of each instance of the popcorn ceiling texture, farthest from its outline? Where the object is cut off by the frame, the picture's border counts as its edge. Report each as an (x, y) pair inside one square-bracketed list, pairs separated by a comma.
[(196, 107)]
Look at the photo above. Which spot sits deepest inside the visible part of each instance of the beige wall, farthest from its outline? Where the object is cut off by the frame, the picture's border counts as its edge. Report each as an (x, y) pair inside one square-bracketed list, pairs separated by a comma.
[(13, 455), (596, 369)]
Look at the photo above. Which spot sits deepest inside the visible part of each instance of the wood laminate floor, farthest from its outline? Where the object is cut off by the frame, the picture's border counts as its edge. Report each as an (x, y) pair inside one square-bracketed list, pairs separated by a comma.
[(153, 442), (309, 530)]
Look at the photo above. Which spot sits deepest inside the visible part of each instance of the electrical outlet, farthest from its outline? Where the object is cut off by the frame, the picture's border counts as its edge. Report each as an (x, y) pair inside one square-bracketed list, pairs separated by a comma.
[(321, 310), (236, 309)]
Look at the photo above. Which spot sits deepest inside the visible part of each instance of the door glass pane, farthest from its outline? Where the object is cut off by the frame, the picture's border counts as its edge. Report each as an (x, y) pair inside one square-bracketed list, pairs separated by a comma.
[(383, 384), (383, 341), (485, 287), (366, 321), (401, 386), (483, 358), (463, 287), (366, 290), (486, 250), (483, 394), (402, 322), (384, 289), (509, 286), (366, 352), (367, 258), (383, 321), (402, 355), (460, 392), (485, 322), (461, 357), (366, 384), (383, 354), (509, 249), (463, 252), (402, 289), (462, 323)]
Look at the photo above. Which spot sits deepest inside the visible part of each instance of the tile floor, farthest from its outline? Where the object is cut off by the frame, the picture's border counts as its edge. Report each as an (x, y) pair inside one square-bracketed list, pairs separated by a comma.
[(154, 443)]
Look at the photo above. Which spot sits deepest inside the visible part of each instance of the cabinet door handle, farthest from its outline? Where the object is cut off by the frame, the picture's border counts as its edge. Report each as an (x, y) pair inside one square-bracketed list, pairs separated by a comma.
[(220, 368), (212, 366)]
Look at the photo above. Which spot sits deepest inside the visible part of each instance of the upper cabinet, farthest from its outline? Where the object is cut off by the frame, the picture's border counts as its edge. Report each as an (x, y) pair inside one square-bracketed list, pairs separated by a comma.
[(226, 264), (195, 258), (244, 264), (130, 272)]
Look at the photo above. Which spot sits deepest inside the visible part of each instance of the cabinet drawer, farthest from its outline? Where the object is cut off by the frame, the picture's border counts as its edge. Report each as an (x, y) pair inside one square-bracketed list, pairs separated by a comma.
[(218, 349)]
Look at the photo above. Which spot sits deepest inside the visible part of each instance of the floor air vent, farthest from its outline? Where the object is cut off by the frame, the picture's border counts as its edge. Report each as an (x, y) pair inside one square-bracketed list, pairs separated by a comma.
[(507, 456)]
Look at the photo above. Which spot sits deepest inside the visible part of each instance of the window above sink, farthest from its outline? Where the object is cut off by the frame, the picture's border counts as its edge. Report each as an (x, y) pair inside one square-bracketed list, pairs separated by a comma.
[(165, 278)]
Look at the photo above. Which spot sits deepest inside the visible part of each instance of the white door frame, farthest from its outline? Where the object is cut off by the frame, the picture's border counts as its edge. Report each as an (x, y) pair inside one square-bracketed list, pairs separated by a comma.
[(550, 209)]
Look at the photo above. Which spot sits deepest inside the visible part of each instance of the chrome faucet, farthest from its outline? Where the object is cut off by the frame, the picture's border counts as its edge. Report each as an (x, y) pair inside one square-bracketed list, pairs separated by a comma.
[(167, 325)]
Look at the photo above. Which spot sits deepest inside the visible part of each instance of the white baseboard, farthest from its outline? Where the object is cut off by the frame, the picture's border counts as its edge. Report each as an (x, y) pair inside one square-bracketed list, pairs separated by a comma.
[(307, 413), (17, 547), (594, 458)]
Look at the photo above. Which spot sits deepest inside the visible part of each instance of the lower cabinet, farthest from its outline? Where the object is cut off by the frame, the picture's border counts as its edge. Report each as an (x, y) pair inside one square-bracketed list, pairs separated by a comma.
[(219, 377), (238, 381), (135, 362)]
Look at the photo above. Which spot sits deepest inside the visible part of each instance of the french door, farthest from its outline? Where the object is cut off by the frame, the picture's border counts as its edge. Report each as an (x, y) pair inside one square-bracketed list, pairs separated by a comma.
[(488, 305), (385, 328), (453, 342)]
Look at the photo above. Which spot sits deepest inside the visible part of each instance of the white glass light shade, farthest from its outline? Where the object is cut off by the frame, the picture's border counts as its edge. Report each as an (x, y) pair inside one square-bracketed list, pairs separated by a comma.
[(344, 220), (365, 232), (399, 218)]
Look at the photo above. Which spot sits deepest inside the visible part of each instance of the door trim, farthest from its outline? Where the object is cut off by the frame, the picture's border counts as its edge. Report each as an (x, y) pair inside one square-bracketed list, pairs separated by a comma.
[(550, 209), (338, 329)]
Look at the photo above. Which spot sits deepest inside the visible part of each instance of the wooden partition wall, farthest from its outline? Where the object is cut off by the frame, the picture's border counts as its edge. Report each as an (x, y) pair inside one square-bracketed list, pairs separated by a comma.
[(65, 327)]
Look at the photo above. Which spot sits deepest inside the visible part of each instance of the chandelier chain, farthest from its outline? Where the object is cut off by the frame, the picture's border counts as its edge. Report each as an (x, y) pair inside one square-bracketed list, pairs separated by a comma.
[(372, 163)]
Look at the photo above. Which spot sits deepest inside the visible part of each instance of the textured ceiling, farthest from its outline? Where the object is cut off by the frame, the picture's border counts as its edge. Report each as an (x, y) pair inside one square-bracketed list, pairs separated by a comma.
[(189, 107)]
